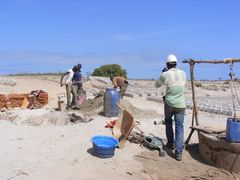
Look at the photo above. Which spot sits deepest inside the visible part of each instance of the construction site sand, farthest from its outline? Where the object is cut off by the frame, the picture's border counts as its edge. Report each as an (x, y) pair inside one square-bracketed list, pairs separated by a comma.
[(52, 148), (36, 117)]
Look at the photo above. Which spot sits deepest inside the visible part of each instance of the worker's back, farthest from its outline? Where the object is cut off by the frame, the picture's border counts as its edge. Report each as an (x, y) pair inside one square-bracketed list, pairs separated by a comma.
[(118, 81), (175, 81)]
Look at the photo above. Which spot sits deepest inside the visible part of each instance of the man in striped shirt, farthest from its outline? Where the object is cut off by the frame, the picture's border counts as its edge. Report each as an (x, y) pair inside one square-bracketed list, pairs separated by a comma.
[(175, 81)]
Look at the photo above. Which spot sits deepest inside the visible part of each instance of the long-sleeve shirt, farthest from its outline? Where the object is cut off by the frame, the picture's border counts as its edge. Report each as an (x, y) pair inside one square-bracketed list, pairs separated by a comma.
[(69, 77), (175, 81)]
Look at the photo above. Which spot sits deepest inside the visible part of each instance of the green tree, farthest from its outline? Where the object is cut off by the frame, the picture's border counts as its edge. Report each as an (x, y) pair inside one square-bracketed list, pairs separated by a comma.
[(109, 69)]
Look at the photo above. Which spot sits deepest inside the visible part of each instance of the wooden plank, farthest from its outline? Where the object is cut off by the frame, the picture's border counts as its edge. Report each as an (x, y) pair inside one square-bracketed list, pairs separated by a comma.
[(189, 136), (207, 130)]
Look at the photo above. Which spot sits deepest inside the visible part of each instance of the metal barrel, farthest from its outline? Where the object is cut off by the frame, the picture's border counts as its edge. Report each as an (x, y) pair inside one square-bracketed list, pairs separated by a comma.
[(111, 98)]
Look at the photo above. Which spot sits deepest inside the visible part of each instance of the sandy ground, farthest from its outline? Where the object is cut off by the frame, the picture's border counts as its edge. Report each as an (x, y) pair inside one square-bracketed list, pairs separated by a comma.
[(37, 146)]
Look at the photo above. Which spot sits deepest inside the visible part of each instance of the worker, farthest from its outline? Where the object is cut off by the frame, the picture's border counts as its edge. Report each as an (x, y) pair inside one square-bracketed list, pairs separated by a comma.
[(70, 90), (120, 82), (77, 79), (174, 105)]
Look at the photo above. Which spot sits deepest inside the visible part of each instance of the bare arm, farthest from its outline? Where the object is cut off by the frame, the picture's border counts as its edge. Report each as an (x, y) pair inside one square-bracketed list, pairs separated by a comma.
[(115, 83), (160, 81)]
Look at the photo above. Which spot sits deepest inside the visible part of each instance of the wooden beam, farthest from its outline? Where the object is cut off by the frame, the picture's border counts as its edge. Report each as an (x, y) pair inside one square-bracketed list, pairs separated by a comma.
[(225, 61), (208, 130)]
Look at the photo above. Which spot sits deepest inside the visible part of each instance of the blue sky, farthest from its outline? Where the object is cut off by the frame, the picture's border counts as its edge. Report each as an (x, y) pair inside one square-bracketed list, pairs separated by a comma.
[(53, 35)]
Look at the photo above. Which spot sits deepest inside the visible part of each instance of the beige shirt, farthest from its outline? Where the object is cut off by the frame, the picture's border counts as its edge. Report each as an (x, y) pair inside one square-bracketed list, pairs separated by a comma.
[(118, 81)]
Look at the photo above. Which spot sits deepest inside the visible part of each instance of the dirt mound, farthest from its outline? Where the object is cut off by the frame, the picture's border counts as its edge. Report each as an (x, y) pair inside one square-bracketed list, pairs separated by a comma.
[(43, 117), (35, 117), (92, 106), (48, 116)]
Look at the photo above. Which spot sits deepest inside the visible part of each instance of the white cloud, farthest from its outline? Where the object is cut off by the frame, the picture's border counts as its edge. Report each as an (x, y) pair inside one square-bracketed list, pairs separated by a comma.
[(133, 36)]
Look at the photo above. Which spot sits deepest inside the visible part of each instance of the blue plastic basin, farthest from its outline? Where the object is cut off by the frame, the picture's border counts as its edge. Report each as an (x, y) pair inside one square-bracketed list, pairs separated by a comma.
[(104, 146)]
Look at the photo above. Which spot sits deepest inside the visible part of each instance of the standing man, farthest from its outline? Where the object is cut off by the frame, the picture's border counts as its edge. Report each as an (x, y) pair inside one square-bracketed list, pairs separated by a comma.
[(70, 90), (77, 79), (120, 82), (174, 106)]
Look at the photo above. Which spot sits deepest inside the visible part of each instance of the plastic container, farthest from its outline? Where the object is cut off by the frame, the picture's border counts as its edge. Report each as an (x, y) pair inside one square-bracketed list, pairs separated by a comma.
[(104, 146), (111, 98), (233, 130)]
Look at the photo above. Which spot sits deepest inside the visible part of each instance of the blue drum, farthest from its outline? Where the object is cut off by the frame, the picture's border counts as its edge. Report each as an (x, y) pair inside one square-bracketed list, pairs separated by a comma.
[(111, 98), (233, 130)]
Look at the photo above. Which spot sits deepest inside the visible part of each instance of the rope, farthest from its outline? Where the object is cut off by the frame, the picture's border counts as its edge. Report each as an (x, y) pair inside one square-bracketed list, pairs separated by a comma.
[(232, 86)]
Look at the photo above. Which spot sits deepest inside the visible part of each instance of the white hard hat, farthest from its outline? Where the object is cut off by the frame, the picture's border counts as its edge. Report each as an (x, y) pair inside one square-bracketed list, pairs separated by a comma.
[(171, 58)]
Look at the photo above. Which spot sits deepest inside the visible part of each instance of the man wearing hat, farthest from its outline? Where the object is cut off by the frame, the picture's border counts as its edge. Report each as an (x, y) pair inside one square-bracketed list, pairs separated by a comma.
[(175, 80)]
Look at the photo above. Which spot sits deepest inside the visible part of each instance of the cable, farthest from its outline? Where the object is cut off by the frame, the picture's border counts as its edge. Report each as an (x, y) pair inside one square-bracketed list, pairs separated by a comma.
[(233, 86)]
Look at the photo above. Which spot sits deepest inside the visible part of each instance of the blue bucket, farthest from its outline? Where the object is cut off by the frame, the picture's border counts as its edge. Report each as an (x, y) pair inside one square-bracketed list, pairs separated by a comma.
[(233, 130), (104, 146)]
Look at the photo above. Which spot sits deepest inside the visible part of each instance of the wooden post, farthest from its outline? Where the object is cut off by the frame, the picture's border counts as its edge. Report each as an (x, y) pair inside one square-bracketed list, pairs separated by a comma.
[(194, 108), (193, 93)]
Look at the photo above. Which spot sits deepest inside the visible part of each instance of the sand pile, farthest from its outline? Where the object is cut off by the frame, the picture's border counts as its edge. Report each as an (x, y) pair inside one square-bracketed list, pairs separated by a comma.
[(48, 116), (92, 106), (36, 117), (43, 117)]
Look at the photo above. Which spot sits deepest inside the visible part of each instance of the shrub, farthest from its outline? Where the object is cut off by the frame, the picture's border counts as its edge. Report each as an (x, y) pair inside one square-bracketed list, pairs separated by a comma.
[(109, 69), (226, 82), (198, 84)]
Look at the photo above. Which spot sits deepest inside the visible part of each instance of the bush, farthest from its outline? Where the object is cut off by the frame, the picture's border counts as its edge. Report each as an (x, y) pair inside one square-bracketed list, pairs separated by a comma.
[(109, 69), (198, 84), (226, 82)]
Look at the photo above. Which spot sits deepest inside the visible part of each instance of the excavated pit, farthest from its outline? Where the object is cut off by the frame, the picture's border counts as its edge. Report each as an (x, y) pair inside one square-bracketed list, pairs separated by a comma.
[(217, 151)]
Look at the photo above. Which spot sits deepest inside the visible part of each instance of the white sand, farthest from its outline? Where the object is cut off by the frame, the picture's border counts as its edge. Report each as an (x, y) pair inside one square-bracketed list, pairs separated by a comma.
[(53, 150)]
